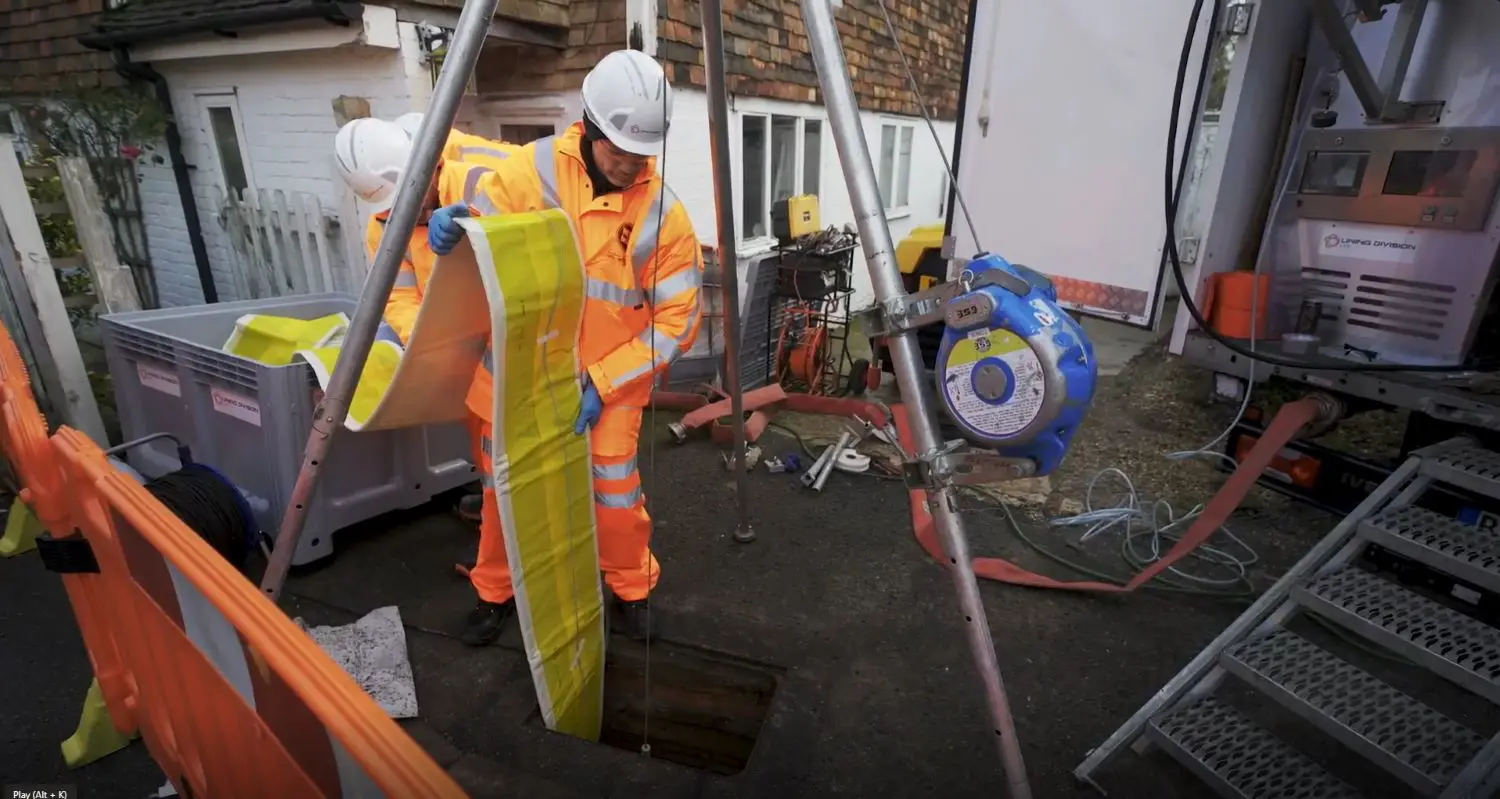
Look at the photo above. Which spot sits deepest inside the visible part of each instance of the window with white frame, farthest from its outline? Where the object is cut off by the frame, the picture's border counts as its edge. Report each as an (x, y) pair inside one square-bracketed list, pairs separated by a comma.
[(222, 127), (781, 156), (895, 165)]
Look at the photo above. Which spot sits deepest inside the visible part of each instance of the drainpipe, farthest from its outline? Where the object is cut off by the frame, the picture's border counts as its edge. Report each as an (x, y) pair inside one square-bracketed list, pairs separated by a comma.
[(144, 73)]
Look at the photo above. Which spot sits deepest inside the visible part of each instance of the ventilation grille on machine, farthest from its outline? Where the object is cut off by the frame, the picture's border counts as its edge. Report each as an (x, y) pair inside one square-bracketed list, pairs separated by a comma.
[(1403, 309)]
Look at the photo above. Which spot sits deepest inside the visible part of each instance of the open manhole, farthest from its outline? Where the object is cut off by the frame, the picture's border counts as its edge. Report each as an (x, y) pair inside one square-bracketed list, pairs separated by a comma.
[(706, 708)]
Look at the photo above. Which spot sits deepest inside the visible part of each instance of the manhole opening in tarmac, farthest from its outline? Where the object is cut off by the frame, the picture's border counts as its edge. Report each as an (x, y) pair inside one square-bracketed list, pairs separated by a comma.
[(706, 708)]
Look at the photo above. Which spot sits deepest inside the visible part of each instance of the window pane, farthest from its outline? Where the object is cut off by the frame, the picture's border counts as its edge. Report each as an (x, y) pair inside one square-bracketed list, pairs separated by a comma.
[(753, 167), (903, 168), (525, 134), (227, 142), (812, 156), (783, 157), (887, 161)]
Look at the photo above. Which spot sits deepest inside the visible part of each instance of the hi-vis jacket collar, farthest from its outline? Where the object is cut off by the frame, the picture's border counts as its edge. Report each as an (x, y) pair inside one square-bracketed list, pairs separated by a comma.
[(570, 143)]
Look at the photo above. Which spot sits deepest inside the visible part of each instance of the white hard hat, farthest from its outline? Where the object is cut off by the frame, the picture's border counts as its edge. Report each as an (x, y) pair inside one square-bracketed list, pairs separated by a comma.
[(626, 94), (370, 155), (410, 123)]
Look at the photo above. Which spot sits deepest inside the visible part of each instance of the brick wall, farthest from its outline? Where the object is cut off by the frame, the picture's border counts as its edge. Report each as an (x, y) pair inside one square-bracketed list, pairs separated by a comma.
[(766, 51), (595, 27), (39, 51)]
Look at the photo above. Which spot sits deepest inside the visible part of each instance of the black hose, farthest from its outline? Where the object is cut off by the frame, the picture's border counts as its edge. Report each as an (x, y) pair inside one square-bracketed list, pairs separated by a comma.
[(210, 506), (1176, 259)]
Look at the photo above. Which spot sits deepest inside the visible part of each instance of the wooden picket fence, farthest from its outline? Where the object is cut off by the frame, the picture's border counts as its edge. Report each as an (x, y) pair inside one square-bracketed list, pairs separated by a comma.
[(283, 243), (34, 304)]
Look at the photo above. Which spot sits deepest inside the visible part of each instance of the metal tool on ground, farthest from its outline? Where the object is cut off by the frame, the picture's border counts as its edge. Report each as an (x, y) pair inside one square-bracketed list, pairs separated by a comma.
[(817, 473), (1401, 735), (458, 65)]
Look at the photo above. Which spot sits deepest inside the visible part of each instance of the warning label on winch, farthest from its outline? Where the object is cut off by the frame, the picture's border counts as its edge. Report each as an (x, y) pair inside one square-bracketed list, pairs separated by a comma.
[(993, 382)]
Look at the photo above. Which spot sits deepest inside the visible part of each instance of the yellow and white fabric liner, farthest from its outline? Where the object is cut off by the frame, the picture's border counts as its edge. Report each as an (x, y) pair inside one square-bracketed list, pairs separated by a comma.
[(519, 280), (424, 383), (534, 278), (273, 340)]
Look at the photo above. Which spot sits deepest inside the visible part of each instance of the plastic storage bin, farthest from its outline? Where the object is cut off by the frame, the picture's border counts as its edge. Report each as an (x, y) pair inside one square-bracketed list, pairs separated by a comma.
[(704, 363), (251, 421)]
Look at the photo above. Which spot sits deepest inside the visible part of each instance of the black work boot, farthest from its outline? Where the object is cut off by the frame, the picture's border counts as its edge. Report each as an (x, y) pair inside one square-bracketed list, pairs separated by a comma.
[(486, 621), (636, 617), (470, 506)]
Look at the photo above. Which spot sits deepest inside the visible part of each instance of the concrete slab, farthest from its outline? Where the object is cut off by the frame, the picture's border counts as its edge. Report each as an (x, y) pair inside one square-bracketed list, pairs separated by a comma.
[(1117, 344)]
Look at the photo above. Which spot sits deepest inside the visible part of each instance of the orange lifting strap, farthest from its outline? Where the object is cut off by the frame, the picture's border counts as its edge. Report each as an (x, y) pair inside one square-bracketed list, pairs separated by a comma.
[(232, 699)]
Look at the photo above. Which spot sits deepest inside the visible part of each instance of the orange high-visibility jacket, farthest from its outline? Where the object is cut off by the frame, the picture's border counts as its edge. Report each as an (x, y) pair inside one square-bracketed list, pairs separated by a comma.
[(417, 262), (644, 263)]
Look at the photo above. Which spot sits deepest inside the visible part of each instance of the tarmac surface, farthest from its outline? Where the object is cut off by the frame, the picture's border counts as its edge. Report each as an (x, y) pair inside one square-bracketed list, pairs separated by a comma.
[(877, 693)]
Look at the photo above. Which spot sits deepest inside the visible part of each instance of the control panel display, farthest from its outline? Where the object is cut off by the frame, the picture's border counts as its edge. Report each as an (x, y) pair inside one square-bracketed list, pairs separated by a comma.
[(1334, 174), (1438, 178)]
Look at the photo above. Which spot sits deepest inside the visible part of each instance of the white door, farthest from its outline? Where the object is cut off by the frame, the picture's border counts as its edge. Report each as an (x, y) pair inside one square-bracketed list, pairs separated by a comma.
[(224, 170), (1062, 154)]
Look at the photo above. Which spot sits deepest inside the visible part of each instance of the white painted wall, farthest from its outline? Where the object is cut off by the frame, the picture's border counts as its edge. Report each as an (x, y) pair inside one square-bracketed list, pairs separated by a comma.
[(287, 123)]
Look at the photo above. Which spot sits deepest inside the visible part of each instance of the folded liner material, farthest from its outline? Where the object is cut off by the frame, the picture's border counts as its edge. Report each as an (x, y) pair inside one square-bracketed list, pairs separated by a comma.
[(519, 281)]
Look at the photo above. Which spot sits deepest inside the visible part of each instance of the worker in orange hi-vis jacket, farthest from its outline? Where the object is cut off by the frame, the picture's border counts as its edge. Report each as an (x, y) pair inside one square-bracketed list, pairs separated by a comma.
[(644, 270), (370, 155)]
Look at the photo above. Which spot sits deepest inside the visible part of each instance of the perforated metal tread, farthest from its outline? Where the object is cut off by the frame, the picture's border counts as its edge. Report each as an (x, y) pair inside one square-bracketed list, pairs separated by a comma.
[(1457, 549), (1238, 758), (1415, 743), (1463, 463), (1448, 643)]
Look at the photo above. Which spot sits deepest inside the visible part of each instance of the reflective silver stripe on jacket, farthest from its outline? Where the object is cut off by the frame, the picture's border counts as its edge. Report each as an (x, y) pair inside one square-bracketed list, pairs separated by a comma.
[(465, 152), (622, 501), (609, 292), (545, 159), (471, 183), (648, 232), (672, 288), (406, 279)]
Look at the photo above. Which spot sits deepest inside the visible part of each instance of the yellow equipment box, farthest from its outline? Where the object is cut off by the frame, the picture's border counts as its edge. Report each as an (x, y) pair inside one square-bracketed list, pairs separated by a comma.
[(795, 217)]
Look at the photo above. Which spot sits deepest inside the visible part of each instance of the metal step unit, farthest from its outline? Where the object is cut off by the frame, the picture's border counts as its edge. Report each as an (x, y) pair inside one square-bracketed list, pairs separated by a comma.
[(1401, 736)]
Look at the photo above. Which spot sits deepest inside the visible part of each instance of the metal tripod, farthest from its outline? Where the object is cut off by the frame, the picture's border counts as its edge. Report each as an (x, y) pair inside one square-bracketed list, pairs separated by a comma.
[(328, 418), (885, 277)]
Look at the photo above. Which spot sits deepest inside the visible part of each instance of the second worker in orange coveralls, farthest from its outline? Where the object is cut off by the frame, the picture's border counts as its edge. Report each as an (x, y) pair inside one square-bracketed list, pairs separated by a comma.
[(645, 269)]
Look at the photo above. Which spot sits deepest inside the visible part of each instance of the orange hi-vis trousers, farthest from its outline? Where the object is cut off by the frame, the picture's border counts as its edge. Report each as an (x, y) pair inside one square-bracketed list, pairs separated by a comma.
[(624, 528)]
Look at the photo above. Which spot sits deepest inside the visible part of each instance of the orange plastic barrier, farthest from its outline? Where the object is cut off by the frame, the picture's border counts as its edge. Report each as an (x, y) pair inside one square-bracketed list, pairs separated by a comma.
[(24, 443), (231, 697)]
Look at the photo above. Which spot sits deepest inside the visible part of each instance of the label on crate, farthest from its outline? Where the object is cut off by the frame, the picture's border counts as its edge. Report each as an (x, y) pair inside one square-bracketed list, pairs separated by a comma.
[(158, 380), (237, 405)]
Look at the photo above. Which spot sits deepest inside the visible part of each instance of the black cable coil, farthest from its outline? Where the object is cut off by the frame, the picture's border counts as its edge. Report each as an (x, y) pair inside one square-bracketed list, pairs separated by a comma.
[(211, 506)]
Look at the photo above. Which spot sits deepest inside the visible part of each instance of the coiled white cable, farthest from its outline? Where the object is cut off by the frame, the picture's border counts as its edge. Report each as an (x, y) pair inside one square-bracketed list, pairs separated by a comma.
[(1149, 529)]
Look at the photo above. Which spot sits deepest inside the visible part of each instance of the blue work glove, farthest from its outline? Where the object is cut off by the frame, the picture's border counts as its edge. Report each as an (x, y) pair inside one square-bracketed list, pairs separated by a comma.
[(443, 232), (387, 333), (589, 411)]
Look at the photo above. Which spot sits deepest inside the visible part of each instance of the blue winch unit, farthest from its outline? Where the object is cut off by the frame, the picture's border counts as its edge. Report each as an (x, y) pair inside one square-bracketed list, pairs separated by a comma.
[(1015, 373)]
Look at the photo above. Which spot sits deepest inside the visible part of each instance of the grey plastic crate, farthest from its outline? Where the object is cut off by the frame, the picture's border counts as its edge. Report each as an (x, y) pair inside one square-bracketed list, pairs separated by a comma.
[(704, 362), (251, 421)]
